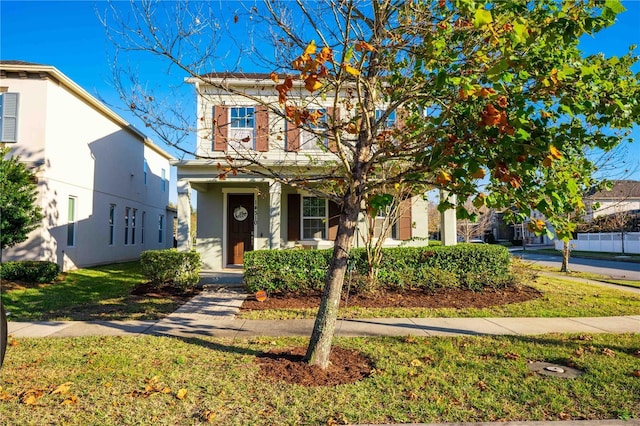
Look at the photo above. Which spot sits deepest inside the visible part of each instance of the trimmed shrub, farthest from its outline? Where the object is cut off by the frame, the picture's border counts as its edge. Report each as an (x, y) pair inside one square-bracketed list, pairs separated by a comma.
[(471, 266), (171, 267), (31, 271)]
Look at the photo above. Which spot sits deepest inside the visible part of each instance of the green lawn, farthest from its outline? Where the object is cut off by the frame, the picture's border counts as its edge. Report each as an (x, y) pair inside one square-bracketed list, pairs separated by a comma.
[(100, 293), (561, 298), (586, 275), (138, 380)]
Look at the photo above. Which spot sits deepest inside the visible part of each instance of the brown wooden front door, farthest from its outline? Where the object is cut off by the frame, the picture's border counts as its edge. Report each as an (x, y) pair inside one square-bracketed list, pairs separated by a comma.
[(239, 227)]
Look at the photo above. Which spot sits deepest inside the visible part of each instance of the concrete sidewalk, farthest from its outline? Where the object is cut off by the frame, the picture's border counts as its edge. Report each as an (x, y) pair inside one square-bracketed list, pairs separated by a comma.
[(213, 313)]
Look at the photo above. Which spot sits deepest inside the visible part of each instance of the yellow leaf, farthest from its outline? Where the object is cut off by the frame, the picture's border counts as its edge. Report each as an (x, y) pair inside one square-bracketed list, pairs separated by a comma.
[(62, 389), (181, 394), (443, 178), (416, 363), (166, 389), (312, 84), (351, 70), (311, 48), (478, 174), (72, 400), (274, 76), (555, 153)]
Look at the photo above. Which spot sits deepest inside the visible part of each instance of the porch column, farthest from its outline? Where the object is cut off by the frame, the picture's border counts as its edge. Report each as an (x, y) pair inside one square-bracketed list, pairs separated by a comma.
[(275, 213), (448, 225), (184, 215)]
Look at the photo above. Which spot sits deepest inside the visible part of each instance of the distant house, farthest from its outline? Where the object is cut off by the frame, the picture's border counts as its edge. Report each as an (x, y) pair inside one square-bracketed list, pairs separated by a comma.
[(624, 196), (242, 212), (103, 185)]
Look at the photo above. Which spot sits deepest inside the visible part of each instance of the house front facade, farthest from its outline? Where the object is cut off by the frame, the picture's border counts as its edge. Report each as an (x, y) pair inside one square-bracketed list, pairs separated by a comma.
[(238, 212), (103, 186)]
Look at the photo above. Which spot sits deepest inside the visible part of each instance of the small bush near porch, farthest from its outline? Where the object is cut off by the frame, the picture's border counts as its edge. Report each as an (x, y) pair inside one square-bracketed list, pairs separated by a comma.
[(465, 266)]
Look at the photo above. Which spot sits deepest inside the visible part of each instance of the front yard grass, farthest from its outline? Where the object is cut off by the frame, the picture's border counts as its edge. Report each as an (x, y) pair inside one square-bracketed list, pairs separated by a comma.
[(170, 381), (561, 298), (99, 293)]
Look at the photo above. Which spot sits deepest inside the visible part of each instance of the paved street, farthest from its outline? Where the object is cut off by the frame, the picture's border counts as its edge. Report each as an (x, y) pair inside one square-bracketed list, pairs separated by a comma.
[(610, 268)]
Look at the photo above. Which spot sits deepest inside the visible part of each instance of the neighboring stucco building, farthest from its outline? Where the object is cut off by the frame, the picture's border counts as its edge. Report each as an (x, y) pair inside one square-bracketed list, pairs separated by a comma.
[(103, 185), (242, 212)]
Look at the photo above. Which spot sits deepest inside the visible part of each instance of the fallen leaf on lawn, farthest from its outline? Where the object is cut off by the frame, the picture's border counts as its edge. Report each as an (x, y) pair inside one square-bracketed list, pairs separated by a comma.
[(208, 416), (482, 385), (30, 396), (181, 394), (564, 416), (72, 400), (412, 396), (13, 342), (4, 396), (62, 389), (608, 352), (636, 373), (511, 355), (416, 363)]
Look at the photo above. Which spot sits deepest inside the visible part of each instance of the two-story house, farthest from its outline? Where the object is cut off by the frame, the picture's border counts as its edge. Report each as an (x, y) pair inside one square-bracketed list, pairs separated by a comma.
[(103, 185), (238, 212)]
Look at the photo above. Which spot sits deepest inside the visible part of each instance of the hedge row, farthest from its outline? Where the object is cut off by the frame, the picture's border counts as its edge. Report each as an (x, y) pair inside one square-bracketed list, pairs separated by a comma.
[(471, 266), (31, 271), (171, 267)]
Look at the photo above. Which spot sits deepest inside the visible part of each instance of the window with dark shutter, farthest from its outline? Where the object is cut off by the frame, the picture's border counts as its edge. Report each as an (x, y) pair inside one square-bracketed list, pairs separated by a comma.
[(293, 217)]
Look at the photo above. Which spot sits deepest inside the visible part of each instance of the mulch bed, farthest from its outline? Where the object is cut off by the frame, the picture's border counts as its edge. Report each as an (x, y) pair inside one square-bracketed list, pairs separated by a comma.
[(349, 366), (404, 299)]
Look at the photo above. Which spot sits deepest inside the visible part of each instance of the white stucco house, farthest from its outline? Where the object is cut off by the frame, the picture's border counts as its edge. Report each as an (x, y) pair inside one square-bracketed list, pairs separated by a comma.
[(103, 185), (242, 212)]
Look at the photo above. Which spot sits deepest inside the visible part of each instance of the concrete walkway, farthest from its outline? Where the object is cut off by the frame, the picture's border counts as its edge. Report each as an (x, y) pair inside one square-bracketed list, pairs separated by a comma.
[(213, 313)]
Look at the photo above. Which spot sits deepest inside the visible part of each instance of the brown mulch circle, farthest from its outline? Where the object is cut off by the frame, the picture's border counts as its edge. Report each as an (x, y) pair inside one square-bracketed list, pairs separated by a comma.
[(346, 366), (404, 299), (165, 292)]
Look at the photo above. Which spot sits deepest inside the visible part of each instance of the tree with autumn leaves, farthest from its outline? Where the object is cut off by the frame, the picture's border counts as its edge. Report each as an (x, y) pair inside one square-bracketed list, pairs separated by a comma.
[(483, 91)]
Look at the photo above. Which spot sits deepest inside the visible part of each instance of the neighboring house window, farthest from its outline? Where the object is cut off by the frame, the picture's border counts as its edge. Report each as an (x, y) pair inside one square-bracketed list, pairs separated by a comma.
[(314, 218), (9, 117), (144, 216), (160, 228), (242, 127), (133, 226), (145, 171), (311, 140), (127, 211), (71, 222), (163, 185), (112, 219), (389, 122)]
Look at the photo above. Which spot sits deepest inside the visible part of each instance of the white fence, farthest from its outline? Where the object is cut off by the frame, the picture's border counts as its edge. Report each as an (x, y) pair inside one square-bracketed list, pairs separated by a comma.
[(605, 242)]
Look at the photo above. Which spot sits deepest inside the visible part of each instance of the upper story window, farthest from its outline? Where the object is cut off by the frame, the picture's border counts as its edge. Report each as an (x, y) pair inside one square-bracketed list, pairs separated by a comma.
[(163, 183), (317, 134), (9, 117), (314, 218), (242, 117), (241, 128), (389, 121)]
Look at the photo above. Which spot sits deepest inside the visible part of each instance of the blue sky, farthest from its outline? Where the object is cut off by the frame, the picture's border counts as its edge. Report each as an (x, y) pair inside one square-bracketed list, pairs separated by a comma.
[(69, 36)]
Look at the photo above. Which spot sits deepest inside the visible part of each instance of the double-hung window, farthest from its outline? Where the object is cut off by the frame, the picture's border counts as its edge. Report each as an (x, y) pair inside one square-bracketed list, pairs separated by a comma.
[(242, 126), (144, 215), (386, 223), (314, 218), (133, 226), (316, 136), (160, 228)]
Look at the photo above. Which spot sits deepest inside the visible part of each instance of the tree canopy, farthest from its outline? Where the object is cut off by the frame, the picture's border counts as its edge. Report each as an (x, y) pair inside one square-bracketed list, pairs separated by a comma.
[(494, 100), (19, 213)]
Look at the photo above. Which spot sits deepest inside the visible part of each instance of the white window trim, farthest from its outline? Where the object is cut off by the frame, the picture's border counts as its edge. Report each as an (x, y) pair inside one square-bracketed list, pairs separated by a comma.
[(302, 218)]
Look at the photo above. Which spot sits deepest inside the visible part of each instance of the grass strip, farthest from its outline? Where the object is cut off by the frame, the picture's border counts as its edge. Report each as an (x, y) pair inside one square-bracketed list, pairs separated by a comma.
[(99, 293), (169, 381)]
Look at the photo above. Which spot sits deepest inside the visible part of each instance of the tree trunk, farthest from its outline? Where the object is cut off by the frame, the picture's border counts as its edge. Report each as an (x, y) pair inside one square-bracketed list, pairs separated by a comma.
[(565, 257), (323, 330)]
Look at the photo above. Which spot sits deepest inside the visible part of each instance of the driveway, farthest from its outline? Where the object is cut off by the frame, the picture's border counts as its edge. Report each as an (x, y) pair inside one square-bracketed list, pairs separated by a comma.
[(610, 268)]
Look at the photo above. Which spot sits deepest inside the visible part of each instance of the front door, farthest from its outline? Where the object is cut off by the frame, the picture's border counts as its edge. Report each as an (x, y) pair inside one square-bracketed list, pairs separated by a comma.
[(239, 227)]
